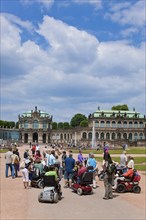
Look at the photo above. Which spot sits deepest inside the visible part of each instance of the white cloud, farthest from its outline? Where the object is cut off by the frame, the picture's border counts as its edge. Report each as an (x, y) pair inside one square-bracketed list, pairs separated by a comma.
[(76, 73), (128, 13), (96, 3), (128, 32), (45, 3)]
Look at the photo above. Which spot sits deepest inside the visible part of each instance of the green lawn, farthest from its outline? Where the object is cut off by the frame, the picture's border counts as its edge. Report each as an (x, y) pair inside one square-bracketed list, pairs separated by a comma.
[(131, 150), (140, 162)]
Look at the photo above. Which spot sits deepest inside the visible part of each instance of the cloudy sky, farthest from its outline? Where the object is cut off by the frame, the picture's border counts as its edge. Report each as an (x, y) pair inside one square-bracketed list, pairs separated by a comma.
[(71, 56)]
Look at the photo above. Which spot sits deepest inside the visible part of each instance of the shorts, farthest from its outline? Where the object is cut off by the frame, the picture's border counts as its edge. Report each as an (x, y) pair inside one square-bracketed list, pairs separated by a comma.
[(25, 175), (68, 175)]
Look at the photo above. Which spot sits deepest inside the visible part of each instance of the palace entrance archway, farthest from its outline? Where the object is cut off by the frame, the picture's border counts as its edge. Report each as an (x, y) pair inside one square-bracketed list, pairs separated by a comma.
[(35, 137)]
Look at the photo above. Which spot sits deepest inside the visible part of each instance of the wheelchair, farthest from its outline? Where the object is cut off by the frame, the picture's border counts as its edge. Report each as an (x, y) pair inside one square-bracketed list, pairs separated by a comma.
[(52, 190)]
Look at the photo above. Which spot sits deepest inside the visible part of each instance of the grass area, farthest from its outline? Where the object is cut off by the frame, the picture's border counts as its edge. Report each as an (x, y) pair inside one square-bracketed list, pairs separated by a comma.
[(137, 160), (140, 167), (3, 150), (131, 150)]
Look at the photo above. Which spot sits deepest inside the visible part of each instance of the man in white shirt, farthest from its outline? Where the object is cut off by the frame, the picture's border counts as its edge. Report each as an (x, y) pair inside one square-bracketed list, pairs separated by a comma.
[(130, 162), (123, 159)]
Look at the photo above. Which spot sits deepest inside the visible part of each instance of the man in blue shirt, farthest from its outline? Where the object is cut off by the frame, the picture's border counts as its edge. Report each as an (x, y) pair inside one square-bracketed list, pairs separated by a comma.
[(93, 163), (69, 166)]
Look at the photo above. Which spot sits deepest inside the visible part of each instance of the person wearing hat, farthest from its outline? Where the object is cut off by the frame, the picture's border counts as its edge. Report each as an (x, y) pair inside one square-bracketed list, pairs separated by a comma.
[(127, 175)]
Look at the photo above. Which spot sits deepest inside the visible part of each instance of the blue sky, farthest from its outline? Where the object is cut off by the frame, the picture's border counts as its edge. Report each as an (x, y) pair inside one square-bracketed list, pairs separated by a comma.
[(71, 56)]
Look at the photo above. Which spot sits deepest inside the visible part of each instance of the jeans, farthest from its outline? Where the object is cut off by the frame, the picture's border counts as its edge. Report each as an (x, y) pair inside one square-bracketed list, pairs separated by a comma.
[(11, 168)]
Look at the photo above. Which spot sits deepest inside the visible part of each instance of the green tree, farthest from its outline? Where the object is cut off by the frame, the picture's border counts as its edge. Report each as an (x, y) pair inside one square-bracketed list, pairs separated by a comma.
[(123, 107), (12, 124), (84, 123), (60, 125), (54, 125), (76, 120), (17, 124), (66, 125)]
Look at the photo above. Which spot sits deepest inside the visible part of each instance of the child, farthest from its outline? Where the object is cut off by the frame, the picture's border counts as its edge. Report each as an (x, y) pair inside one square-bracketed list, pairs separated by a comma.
[(25, 175)]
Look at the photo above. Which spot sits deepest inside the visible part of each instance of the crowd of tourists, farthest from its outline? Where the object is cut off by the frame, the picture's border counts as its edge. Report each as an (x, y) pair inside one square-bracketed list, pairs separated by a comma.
[(62, 164)]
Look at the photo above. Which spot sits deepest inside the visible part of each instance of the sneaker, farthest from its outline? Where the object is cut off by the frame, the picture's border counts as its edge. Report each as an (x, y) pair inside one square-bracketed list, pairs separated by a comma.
[(65, 187), (106, 198)]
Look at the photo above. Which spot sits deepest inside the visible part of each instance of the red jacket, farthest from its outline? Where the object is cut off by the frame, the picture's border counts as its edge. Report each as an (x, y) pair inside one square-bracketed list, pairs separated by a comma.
[(129, 173), (81, 171)]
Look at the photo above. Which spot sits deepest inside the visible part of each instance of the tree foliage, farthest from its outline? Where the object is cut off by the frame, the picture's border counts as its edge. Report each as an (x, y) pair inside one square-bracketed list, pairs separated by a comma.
[(77, 119), (66, 125), (54, 125), (84, 123), (123, 107), (60, 125), (8, 124)]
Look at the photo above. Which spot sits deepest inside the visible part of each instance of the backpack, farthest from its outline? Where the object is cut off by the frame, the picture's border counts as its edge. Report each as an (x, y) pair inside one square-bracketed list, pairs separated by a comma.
[(111, 168), (16, 161)]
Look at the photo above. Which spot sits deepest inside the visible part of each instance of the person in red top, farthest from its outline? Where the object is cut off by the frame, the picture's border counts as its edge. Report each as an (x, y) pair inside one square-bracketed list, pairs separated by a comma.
[(82, 169), (38, 155), (126, 175)]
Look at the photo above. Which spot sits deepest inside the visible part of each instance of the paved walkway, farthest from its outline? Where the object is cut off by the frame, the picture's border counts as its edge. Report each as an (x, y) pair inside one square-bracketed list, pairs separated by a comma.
[(21, 204)]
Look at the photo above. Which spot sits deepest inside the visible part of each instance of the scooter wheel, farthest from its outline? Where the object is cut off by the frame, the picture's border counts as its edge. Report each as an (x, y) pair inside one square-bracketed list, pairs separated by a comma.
[(121, 188), (79, 191), (56, 197), (40, 197), (136, 189), (40, 184)]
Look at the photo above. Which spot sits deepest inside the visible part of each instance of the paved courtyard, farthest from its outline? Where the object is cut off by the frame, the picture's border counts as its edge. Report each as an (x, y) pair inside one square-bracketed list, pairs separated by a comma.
[(20, 204)]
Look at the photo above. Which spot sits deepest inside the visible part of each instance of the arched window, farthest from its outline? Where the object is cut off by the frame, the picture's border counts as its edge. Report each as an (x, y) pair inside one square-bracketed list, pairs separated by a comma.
[(125, 124), (141, 136), (119, 135), (26, 124), (130, 136), (130, 124), (102, 135), (113, 136), (25, 138), (119, 124), (44, 125), (125, 136), (84, 136), (135, 124), (35, 124), (61, 136), (102, 124), (97, 135), (44, 138), (108, 124), (90, 135), (108, 136), (96, 124), (64, 136), (135, 136), (68, 136), (141, 124), (113, 124)]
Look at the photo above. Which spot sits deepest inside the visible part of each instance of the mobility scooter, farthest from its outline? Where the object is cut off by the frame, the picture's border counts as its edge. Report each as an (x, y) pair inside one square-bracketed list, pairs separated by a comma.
[(52, 190), (84, 186), (128, 185)]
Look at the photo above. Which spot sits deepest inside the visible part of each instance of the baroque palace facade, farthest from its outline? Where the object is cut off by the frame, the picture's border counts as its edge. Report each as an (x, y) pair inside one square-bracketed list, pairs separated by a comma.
[(114, 127)]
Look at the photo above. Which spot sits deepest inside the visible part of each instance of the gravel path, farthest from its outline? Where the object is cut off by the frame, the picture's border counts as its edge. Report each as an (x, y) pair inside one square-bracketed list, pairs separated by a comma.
[(18, 203)]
